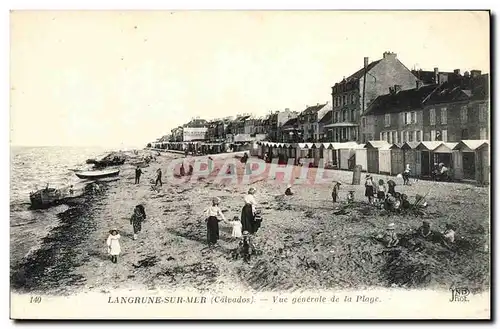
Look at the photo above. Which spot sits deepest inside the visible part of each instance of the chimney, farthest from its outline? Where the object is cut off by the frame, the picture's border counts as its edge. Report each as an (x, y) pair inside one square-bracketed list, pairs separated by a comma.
[(475, 73), (389, 54), (436, 75), (366, 62), (456, 71), (397, 88), (419, 84), (466, 74)]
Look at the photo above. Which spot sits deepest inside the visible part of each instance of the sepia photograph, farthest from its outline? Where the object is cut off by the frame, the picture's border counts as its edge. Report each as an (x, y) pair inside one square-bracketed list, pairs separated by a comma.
[(250, 164)]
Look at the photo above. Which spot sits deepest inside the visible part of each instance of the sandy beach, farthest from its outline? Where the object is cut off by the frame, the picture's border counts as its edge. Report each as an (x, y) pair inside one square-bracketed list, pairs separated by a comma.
[(302, 244)]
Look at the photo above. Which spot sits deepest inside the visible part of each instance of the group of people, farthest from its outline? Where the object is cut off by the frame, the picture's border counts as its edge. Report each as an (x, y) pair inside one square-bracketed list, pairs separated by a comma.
[(446, 237), (242, 228), (113, 241)]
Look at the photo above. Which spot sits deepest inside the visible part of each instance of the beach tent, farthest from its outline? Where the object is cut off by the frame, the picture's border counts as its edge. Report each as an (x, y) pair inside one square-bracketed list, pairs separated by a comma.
[(373, 156), (471, 160), (412, 156), (397, 159)]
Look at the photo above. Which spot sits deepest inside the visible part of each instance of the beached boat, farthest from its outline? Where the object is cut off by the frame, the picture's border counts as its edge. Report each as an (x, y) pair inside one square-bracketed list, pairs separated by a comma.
[(45, 197), (97, 174)]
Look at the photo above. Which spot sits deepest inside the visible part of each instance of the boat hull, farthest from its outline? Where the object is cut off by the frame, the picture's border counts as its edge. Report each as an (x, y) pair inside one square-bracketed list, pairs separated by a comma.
[(45, 198), (95, 176)]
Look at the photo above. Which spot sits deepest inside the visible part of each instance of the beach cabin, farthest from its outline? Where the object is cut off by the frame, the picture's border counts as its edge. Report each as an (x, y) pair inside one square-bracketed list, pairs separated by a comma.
[(397, 159), (304, 151), (412, 156), (427, 156), (373, 155), (471, 161), (361, 158)]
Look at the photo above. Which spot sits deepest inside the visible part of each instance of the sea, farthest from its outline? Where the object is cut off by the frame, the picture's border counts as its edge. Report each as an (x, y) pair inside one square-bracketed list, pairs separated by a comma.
[(32, 168)]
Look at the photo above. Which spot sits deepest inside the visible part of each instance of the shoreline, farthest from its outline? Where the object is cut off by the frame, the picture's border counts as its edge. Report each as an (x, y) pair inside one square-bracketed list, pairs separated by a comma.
[(303, 245)]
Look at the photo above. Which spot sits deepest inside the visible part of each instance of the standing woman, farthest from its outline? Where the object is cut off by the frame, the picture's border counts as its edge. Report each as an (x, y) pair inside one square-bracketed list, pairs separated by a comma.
[(369, 188), (212, 213), (248, 212)]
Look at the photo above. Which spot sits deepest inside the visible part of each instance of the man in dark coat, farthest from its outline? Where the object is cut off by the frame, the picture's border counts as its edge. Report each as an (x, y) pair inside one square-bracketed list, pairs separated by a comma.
[(138, 173)]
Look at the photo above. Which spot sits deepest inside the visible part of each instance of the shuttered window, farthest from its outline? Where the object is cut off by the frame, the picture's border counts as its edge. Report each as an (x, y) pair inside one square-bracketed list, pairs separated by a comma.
[(444, 135), (432, 117), (444, 116), (464, 114)]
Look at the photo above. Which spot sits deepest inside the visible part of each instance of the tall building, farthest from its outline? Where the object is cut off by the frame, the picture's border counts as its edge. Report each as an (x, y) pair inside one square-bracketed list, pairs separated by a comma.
[(352, 95)]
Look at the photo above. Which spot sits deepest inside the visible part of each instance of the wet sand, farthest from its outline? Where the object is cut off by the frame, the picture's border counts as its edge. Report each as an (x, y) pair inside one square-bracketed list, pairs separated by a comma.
[(302, 243)]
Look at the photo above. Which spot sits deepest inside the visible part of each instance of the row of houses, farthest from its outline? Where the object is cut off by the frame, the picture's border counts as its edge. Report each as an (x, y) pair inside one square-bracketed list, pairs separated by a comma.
[(383, 100)]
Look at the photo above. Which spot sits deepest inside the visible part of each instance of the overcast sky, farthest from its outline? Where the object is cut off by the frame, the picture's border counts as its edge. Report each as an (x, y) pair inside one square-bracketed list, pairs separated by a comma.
[(110, 78)]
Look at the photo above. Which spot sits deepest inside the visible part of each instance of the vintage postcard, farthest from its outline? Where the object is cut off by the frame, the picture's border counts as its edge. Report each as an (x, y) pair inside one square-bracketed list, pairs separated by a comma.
[(250, 164)]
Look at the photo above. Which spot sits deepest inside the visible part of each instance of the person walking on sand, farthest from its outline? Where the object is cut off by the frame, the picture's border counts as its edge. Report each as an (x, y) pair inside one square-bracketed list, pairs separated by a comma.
[(158, 177), (113, 243), (248, 212), (138, 173), (137, 218), (213, 213), (406, 175)]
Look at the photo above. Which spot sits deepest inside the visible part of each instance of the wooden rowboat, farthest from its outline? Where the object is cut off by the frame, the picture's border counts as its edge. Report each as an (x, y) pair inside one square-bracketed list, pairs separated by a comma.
[(45, 197), (97, 174)]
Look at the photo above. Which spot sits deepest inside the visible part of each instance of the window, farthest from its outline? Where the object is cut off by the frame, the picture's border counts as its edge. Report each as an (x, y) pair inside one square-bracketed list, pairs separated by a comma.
[(439, 136), (410, 136), (353, 115), (433, 135), (387, 120), (413, 117), (344, 115), (418, 137), (444, 116), (483, 112), (384, 136), (394, 136), (363, 122), (380, 137), (389, 137), (483, 133), (444, 135), (465, 134), (463, 114), (432, 117), (352, 99), (407, 118), (336, 117), (343, 100)]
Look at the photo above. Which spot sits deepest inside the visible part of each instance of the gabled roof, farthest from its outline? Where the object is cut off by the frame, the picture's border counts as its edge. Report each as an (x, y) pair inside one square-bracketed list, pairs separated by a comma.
[(291, 122), (313, 109), (327, 118), (400, 101), (378, 144), (471, 144), (465, 88), (359, 74), (410, 145), (429, 146)]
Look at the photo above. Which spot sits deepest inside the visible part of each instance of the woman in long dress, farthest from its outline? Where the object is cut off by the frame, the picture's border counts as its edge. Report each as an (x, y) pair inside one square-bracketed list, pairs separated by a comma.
[(213, 213), (248, 213)]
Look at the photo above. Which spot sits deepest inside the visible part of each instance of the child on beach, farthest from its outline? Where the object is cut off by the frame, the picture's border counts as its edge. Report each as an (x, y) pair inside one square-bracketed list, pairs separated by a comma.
[(350, 197), (113, 243), (381, 190), (71, 191), (236, 224), (137, 218), (335, 191)]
